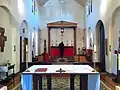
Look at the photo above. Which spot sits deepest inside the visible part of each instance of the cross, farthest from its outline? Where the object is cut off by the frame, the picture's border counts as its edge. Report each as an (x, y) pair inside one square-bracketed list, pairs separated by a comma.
[(60, 70), (2, 39)]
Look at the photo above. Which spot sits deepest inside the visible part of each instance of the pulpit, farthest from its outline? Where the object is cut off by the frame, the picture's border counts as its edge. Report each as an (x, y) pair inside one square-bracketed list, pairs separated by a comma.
[(68, 51)]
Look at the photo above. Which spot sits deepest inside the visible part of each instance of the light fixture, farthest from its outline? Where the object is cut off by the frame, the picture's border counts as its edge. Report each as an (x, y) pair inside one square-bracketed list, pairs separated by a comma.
[(62, 30), (23, 30)]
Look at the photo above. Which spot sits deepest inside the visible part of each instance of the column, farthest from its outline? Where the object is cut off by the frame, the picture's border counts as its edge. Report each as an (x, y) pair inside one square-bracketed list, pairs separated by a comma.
[(49, 40), (74, 40)]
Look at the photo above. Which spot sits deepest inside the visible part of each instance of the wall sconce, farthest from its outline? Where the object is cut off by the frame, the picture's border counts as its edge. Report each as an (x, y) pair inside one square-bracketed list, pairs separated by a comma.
[(62, 30), (109, 47), (14, 48), (67, 43), (56, 42), (23, 30), (52, 42), (71, 42), (26, 48)]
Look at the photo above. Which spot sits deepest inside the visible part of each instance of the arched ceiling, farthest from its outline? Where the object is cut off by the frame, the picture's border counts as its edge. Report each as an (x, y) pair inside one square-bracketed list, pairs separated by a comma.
[(81, 2), (42, 2)]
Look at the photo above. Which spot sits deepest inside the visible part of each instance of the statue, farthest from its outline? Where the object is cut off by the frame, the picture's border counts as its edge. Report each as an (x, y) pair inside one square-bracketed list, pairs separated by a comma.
[(2, 39)]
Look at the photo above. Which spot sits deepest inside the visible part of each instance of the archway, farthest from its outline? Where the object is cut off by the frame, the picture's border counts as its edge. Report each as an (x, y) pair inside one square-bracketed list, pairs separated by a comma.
[(100, 45), (115, 34), (6, 23), (23, 45)]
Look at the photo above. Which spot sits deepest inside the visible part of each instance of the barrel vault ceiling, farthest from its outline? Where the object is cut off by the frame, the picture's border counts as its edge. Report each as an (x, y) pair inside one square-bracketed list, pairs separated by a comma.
[(42, 2)]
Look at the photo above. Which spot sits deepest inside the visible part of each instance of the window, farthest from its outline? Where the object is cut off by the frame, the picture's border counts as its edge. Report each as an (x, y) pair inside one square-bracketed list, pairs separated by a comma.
[(89, 7), (34, 7)]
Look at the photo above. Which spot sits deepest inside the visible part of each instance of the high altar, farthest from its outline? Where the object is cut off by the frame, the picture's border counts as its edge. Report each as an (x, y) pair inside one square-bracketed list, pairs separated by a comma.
[(69, 49)]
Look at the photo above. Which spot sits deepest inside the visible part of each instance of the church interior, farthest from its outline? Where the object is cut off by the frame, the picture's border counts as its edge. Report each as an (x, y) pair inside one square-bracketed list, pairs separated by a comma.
[(31, 57)]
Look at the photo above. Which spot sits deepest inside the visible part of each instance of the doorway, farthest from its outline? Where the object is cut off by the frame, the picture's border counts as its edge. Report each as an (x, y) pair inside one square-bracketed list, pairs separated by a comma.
[(23, 45), (20, 53), (100, 44), (25, 49)]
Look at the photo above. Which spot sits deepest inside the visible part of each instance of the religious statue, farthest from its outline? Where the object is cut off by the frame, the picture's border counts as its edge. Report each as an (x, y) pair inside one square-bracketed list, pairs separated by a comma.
[(2, 39)]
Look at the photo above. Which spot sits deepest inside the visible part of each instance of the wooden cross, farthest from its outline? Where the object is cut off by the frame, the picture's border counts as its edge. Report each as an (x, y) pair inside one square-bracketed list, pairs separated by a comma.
[(2, 39)]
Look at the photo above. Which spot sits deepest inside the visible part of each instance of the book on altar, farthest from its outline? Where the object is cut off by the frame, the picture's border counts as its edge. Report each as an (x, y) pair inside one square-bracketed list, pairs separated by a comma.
[(41, 70)]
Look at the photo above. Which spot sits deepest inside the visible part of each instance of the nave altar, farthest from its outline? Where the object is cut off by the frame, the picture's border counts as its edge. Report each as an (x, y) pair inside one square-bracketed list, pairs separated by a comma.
[(85, 72)]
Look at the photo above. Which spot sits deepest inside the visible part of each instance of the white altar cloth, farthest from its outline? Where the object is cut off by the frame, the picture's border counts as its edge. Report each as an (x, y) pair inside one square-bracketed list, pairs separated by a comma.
[(93, 76)]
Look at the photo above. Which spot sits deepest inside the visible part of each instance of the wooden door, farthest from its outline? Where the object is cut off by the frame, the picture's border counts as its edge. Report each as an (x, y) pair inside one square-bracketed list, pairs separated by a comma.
[(20, 53), (25, 43)]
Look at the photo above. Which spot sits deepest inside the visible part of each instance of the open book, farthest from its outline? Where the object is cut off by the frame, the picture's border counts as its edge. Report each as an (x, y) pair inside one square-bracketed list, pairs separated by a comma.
[(41, 70)]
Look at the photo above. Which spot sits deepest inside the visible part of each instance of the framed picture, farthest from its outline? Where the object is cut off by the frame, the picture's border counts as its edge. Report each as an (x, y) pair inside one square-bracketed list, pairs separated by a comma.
[(106, 46), (91, 5)]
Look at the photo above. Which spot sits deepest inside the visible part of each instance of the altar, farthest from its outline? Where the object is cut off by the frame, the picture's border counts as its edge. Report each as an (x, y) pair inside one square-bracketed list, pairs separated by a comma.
[(85, 72), (68, 51)]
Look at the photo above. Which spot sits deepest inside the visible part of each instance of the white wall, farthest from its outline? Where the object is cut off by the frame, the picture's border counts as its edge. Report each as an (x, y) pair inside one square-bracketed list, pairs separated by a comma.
[(44, 35), (80, 39), (103, 10), (115, 37), (68, 35), (68, 11), (33, 21), (54, 11), (17, 11), (5, 23)]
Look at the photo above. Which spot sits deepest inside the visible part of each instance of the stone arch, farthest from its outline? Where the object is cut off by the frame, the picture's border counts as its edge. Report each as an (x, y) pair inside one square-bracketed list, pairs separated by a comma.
[(115, 34), (114, 15), (12, 20), (5, 8), (23, 43), (24, 28), (11, 43), (100, 45)]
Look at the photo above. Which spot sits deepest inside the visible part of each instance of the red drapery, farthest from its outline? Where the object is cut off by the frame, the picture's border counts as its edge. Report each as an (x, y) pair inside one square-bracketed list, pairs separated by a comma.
[(68, 51)]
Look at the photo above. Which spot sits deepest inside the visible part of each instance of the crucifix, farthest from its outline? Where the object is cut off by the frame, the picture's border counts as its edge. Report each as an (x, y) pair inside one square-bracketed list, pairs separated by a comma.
[(2, 39)]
